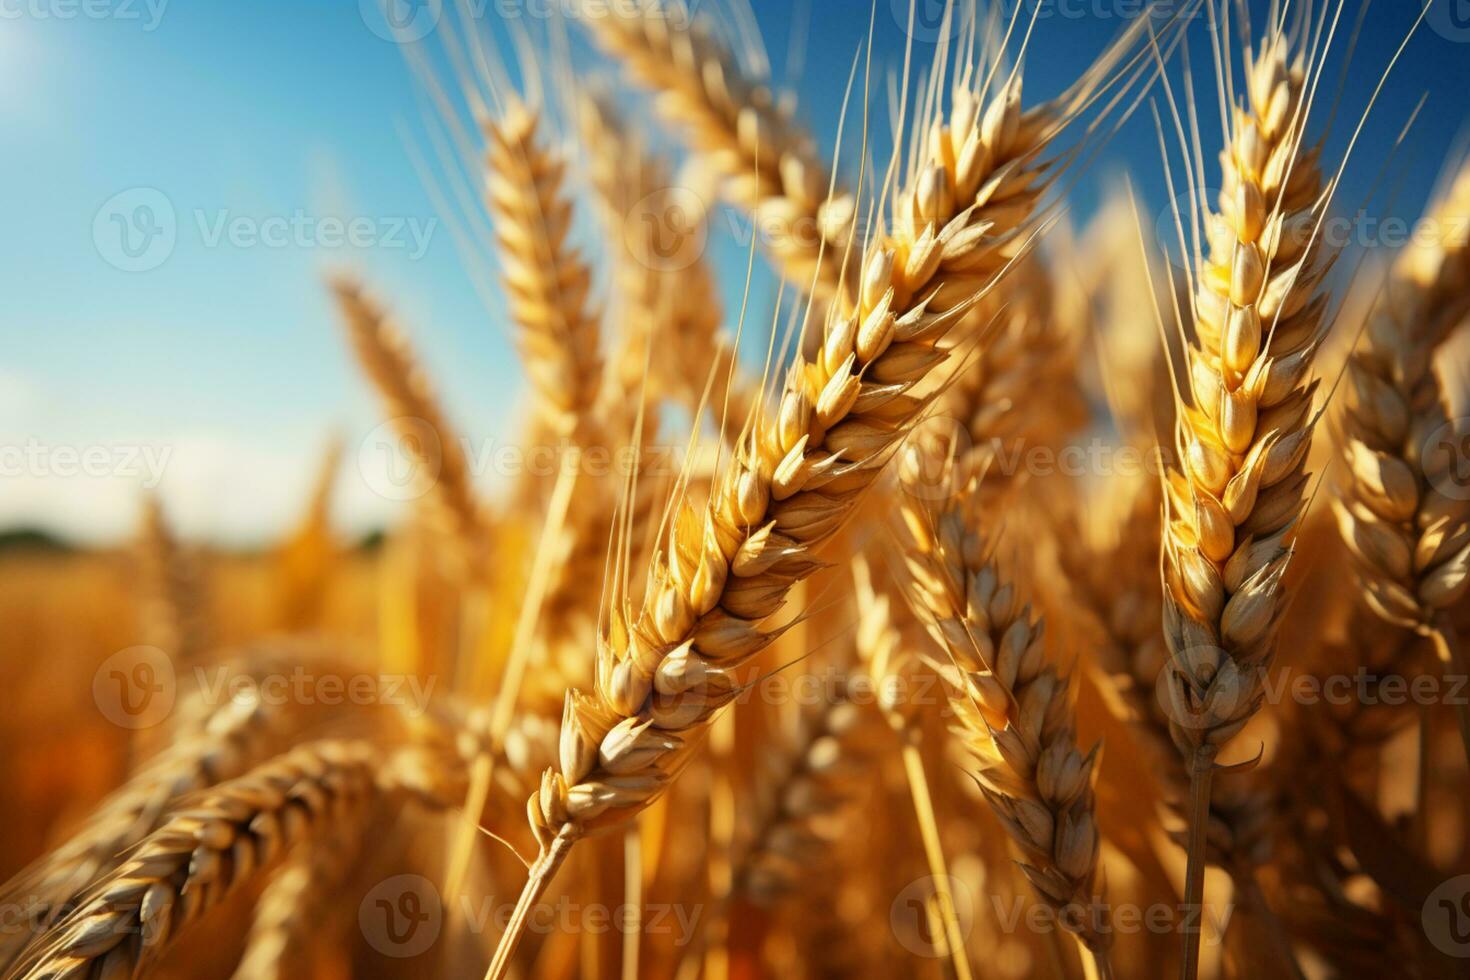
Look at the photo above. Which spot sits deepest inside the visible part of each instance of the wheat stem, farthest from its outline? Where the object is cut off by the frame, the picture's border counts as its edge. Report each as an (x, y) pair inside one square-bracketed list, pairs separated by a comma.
[(913, 766), (1194, 879), (543, 870), (503, 711), (1447, 646), (632, 899)]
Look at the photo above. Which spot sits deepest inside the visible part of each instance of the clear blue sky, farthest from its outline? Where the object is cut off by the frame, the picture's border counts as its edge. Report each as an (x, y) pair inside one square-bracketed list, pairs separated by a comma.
[(228, 351)]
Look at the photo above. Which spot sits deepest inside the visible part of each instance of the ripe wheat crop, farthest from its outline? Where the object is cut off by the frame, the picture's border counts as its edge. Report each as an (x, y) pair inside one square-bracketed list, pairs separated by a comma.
[(1020, 588)]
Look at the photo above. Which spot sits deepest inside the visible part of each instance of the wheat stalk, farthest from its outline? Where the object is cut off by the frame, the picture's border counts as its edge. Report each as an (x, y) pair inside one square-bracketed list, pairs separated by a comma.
[(384, 353), (888, 658), (546, 282), (743, 132), (1011, 707)]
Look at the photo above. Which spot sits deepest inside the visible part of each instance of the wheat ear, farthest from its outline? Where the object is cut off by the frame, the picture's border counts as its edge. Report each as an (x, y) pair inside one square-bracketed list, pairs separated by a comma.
[(171, 599), (546, 281), (215, 842), (1011, 707), (1409, 538), (806, 789), (235, 737), (742, 131), (794, 478), (284, 924), (384, 353), (669, 298), (305, 560), (1231, 510)]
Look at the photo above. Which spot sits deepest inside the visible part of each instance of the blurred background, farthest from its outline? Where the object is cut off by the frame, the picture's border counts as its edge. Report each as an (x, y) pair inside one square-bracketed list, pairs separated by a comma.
[(178, 175)]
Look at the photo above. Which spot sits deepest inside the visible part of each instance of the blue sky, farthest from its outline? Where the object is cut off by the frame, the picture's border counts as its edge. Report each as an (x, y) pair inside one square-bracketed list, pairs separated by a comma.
[(273, 112)]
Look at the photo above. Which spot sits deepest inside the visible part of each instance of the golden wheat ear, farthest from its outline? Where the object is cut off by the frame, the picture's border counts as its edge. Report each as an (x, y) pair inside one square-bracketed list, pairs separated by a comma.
[(742, 131), (1013, 713), (385, 356), (1410, 540), (546, 281), (171, 588), (668, 310)]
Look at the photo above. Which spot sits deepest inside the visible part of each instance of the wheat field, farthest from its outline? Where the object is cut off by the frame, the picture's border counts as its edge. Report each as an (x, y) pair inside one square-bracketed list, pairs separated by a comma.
[(1033, 589)]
